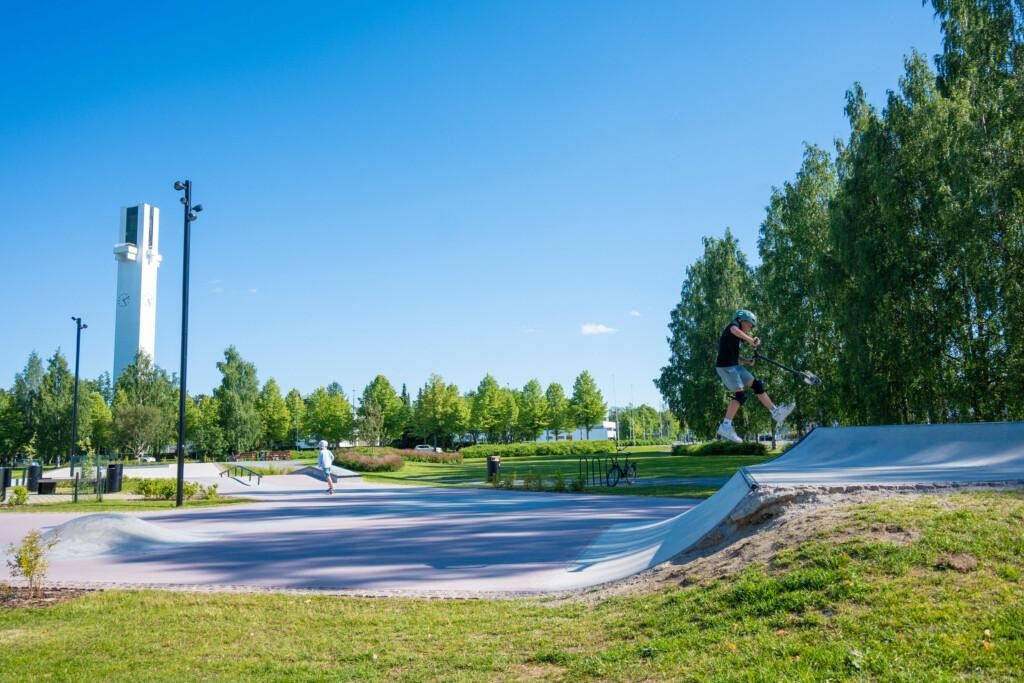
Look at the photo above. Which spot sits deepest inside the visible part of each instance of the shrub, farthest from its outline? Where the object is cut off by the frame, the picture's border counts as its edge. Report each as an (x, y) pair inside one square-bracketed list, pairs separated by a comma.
[(533, 481), (623, 443), (19, 495), (369, 463), (29, 560), (504, 481), (559, 482), (403, 453), (165, 489), (577, 484), (721, 448), (540, 448), (420, 456)]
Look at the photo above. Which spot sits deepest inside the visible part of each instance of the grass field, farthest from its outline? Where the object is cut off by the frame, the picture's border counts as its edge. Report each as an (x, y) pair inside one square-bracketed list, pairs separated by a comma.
[(651, 462), (846, 605)]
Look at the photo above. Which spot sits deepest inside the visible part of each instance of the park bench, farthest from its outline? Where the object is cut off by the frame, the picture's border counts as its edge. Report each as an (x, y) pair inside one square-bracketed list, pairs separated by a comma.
[(48, 485), (278, 455)]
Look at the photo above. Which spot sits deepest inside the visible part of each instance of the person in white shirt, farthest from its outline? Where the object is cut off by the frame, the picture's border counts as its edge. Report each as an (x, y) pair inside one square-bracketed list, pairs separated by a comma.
[(324, 460)]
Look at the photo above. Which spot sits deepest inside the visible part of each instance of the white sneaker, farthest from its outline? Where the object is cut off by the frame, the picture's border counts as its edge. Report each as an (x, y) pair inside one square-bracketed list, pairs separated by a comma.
[(782, 412), (729, 432)]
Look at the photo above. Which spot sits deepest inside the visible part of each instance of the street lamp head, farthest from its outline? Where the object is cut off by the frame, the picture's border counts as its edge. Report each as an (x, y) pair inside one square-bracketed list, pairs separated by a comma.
[(84, 327), (192, 217), (178, 185), (197, 208), (181, 199)]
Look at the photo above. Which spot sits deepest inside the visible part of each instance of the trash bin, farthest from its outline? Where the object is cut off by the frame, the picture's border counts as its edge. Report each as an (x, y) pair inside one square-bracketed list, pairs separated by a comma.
[(493, 465), (35, 473), (115, 475), (5, 476)]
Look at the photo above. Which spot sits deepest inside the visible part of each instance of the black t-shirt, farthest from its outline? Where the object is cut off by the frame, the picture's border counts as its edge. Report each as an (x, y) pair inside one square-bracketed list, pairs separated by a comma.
[(728, 348)]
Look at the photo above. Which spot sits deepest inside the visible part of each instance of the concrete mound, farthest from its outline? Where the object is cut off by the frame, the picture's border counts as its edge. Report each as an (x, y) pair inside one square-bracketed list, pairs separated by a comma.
[(113, 533)]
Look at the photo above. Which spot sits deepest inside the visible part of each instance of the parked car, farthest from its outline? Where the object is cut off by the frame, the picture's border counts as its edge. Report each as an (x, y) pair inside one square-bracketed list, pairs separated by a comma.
[(423, 447), (147, 458)]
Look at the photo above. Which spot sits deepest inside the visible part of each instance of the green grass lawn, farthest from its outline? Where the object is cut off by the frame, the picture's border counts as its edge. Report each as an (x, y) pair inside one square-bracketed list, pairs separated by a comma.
[(847, 606), (650, 462)]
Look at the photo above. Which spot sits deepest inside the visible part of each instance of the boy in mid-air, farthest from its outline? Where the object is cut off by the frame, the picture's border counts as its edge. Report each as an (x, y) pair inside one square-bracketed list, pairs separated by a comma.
[(737, 378)]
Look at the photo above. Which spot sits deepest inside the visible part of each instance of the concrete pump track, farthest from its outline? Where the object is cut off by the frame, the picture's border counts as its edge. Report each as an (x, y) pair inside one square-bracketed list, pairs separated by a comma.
[(389, 539)]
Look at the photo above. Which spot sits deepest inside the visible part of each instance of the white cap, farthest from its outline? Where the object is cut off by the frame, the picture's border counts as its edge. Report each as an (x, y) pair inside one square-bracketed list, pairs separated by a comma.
[(322, 444)]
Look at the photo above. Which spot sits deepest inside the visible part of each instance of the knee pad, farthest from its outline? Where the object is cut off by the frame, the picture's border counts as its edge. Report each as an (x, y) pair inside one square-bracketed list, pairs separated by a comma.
[(740, 397), (758, 387)]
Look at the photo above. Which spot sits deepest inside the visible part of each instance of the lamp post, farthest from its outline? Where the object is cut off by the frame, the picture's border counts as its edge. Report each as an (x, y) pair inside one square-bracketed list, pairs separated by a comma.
[(74, 406), (191, 213)]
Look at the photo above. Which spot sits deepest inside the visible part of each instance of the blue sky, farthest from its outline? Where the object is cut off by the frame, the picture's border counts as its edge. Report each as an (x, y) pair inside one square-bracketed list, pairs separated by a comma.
[(414, 187)]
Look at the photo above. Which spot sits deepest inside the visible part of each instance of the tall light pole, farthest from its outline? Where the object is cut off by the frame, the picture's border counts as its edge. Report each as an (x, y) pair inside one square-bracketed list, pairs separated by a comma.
[(74, 407), (191, 213)]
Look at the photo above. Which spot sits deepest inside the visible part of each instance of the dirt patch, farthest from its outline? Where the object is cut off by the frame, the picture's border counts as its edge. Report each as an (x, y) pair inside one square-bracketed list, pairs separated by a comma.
[(958, 562), (16, 598)]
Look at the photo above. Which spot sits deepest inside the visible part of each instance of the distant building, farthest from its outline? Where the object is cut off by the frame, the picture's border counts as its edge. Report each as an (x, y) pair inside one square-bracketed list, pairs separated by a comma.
[(602, 432), (138, 257)]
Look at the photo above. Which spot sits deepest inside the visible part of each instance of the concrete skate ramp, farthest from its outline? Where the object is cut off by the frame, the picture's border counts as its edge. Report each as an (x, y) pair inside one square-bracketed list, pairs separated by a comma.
[(113, 533), (901, 454), (898, 455)]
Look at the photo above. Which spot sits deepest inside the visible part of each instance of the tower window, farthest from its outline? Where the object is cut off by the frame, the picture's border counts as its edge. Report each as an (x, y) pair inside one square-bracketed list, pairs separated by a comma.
[(131, 226), (151, 221)]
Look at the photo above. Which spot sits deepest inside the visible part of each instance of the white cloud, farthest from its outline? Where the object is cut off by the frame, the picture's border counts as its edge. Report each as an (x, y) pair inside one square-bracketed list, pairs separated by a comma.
[(252, 290), (596, 328), (634, 314)]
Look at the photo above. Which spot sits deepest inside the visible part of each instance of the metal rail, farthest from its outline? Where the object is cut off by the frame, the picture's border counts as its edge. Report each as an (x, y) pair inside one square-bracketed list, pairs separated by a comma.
[(247, 472)]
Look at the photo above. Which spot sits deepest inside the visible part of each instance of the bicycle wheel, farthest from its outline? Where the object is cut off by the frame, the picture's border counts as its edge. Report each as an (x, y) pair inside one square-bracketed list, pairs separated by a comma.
[(631, 473), (614, 474)]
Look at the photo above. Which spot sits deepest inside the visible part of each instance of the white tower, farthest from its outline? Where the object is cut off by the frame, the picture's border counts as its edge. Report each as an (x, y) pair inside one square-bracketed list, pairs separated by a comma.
[(138, 257)]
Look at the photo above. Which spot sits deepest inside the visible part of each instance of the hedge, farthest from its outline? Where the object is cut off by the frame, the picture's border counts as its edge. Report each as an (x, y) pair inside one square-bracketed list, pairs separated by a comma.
[(644, 442), (540, 448), (721, 448), (404, 453), (369, 463)]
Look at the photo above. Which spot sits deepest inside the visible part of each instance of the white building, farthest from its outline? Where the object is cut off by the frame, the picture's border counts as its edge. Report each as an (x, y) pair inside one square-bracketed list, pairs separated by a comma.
[(138, 257), (603, 432)]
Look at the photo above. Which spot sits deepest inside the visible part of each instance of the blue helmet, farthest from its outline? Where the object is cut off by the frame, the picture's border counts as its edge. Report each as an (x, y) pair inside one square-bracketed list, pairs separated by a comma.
[(744, 314)]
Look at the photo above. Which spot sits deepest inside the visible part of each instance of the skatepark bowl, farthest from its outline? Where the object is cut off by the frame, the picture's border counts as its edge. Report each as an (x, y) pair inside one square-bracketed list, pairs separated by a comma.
[(392, 539)]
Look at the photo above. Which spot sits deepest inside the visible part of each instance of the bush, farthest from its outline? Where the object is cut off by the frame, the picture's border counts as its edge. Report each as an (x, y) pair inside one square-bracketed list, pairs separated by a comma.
[(623, 443), (166, 489), (369, 463), (18, 496), (721, 448), (29, 560), (404, 453), (539, 448), (559, 483)]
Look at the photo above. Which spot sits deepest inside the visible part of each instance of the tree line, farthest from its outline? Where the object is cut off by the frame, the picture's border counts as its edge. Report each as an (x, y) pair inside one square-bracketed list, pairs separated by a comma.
[(892, 267), (138, 414)]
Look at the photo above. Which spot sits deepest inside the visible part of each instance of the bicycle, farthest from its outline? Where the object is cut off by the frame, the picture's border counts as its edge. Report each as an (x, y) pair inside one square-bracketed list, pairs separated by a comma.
[(628, 471)]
